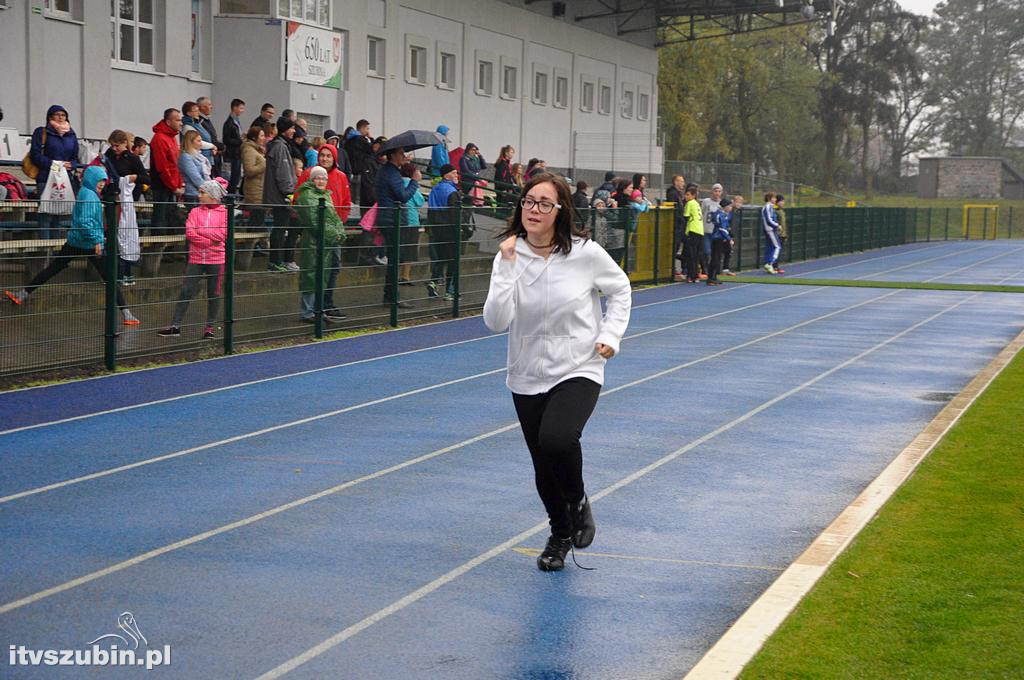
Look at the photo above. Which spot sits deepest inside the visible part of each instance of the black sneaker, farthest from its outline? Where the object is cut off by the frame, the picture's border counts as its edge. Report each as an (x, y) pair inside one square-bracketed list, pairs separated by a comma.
[(583, 527), (553, 557), (170, 332)]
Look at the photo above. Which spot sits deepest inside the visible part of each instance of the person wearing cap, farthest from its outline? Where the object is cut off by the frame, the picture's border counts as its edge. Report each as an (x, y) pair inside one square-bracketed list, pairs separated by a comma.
[(441, 229), (721, 237), (206, 229), (278, 183)]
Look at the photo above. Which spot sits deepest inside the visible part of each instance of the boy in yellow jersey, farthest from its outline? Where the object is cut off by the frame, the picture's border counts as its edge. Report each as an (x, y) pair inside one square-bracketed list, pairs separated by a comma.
[(694, 221)]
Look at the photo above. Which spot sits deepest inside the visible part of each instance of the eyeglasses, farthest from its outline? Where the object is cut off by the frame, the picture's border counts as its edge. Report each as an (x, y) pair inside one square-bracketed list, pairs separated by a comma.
[(543, 206)]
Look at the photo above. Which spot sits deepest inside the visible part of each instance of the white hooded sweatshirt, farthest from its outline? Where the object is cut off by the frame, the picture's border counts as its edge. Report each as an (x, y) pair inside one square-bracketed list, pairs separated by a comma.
[(552, 309)]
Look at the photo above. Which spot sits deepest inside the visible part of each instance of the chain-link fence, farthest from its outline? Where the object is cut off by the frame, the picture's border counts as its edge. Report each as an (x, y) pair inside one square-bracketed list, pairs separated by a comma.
[(212, 277)]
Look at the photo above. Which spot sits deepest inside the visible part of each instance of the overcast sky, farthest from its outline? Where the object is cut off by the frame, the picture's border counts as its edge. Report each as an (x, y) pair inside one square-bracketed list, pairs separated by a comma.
[(919, 6)]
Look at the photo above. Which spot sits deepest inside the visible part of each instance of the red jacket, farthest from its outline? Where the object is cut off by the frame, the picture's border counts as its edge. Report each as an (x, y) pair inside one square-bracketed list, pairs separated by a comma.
[(163, 156), (337, 184)]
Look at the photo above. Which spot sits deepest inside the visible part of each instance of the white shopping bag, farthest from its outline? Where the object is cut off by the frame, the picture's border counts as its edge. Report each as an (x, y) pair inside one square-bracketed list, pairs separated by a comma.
[(58, 197), (127, 225)]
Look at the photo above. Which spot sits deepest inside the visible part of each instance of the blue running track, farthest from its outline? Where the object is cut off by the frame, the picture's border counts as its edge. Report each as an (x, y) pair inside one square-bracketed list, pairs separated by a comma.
[(365, 507)]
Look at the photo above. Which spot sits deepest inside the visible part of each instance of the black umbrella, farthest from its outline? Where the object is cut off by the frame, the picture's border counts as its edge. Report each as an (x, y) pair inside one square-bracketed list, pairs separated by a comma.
[(412, 139)]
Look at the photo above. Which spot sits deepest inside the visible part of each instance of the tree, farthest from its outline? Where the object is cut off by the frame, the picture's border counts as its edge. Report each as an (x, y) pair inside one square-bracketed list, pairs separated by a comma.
[(976, 57)]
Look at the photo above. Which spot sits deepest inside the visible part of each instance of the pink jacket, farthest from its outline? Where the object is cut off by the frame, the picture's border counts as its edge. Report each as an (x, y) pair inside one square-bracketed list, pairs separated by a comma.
[(206, 230)]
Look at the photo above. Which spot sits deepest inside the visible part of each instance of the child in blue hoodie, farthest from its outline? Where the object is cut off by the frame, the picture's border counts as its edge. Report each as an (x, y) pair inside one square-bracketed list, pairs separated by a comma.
[(721, 237), (85, 239)]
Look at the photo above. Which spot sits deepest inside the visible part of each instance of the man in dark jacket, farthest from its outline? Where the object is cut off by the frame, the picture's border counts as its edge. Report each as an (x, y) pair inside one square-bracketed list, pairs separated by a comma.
[(232, 136), (392, 193), (357, 146), (205, 111), (674, 194), (266, 115), (442, 231), (470, 166), (278, 183)]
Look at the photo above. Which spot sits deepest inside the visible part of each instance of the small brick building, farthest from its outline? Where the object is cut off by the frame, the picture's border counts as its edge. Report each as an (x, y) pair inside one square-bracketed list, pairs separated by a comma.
[(967, 177)]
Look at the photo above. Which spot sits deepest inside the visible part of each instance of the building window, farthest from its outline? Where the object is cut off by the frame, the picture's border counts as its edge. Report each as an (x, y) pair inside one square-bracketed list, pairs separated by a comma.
[(540, 88), (446, 71), (627, 102), (416, 65), (132, 25), (509, 82), (604, 103), (59, 8), (315, 124), (561, 92), (644, 110), (485, 77), (586, 95), (316, 12), (375, 56)]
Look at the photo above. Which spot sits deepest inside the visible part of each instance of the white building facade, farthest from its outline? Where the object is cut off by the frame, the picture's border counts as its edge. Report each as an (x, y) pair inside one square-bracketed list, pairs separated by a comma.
[(495, 72)]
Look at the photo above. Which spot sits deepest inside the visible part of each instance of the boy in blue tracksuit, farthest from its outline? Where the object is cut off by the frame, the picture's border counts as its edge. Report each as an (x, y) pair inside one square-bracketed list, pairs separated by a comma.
[(85, 239), (770, 225), (721, 237)]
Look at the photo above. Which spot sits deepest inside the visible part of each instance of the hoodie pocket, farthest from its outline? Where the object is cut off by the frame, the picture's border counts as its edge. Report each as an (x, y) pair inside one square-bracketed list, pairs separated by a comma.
[(546, 356)]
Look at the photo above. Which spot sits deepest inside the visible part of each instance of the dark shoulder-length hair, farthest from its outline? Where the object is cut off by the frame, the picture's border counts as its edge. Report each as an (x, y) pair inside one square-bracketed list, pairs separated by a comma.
[(565, 222)]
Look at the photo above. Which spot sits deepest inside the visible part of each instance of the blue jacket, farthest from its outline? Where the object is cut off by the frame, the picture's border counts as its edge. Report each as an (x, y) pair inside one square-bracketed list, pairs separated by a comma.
[(769, 218), (721, 221), (312, 156), (440, 194), (191, 167), (197, 125), (412, 213), (57, 148), (391, 191), (439, 153), (87, 216)]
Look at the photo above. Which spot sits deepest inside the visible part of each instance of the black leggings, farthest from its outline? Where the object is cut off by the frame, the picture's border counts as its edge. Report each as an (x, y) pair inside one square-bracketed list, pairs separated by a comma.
[(194, 273), (694, 254), (552, 424), (63, 258)]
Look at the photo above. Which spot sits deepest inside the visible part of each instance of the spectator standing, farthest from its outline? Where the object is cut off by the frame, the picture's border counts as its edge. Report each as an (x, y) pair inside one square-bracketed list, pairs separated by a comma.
[(307, 206), (193, 165), (640, 184), (120, 163), (770, 226), (694, 232), (267, 113), (54, 141), (470, 166), (410, 233), (85, 239), (503, 180), (393, 192), (190, 121), (545, 288), (233, 134), (709, 206), (368, 181), (278, 183), (780, 211), (206, 229), (163, 165), (536, 167), (254, 167), (517, 179), (205, 113), (439, 152), (720, 236), (358, 146), (604, 192), (735, 224), (581, 202), (674, 194), (344, 164), (443, 232)]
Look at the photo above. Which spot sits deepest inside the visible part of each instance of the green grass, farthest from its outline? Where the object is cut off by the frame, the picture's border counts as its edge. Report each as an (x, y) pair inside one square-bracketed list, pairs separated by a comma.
[(933, 587), (911, 201), (915, 285)]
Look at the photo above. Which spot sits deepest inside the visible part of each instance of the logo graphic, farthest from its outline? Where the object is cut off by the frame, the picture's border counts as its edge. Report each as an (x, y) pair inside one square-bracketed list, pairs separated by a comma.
[(126, 622)]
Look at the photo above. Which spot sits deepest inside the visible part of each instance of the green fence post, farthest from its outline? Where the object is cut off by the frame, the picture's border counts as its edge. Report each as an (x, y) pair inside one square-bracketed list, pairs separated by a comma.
[(758, 247), (393, 265), (657, 238), (984, 224), (229, 280), (737, 237), (318, 288), (928, 238), (945, 236), (458, 259), (1009, 223), (110, 298)]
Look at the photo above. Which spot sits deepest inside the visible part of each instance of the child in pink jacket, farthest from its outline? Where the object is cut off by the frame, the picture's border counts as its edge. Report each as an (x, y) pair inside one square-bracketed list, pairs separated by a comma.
[(206, 230)]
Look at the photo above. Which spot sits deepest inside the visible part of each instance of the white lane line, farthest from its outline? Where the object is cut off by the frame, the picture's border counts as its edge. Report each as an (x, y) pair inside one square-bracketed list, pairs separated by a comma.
[(35, 597), (450, 576), (295, 374), (741, 642), (864, 261), (330, 414)]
